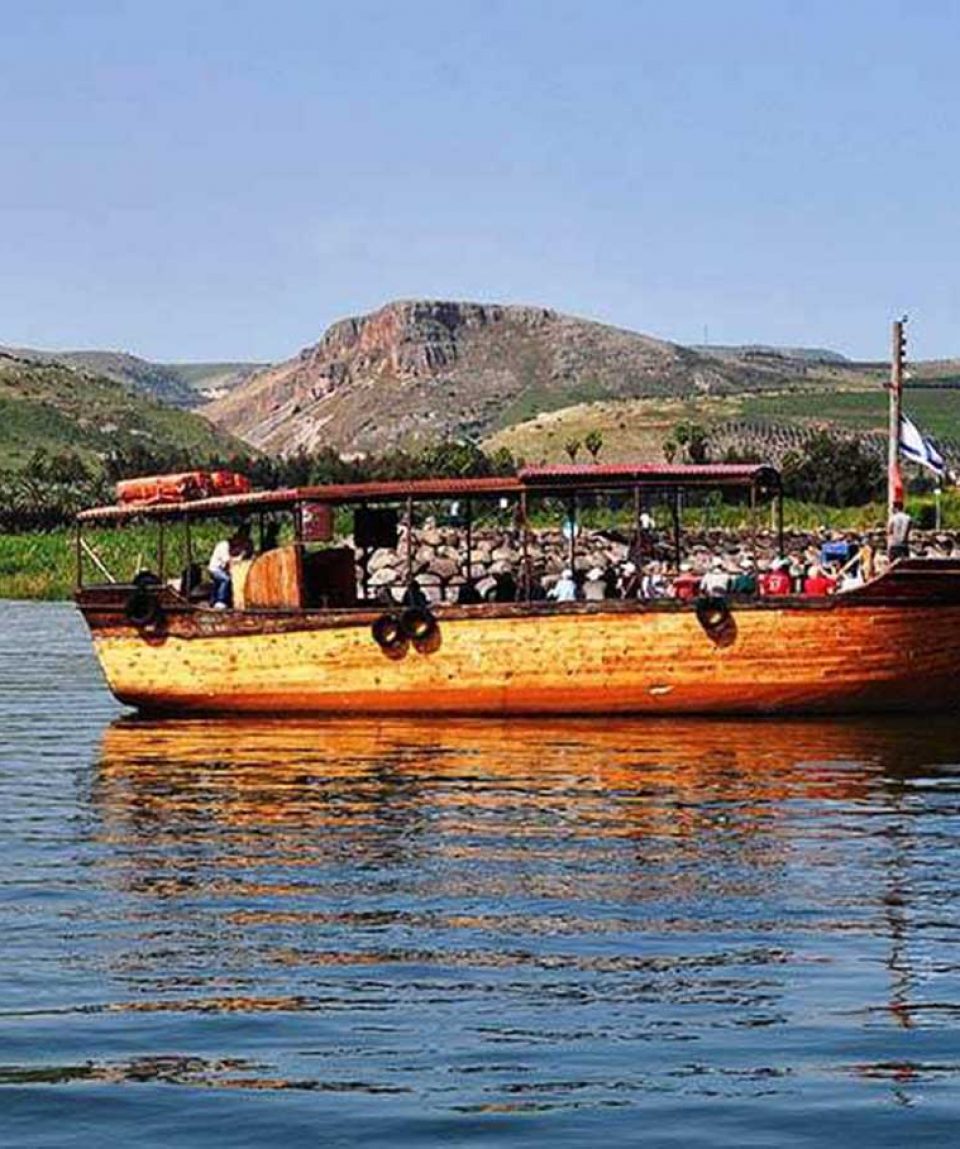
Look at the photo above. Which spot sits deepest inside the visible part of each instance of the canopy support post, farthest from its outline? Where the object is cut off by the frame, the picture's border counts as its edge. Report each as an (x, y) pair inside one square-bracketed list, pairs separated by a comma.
[(637, 509), (468, 540), (753, 521), (780, 521), (675, 511), (78, 546), (408, 522), (572, 541), (525, 545), (364, 561)]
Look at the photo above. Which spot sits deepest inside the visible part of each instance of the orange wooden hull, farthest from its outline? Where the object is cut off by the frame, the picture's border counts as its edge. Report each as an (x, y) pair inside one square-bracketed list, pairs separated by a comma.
[(832, 656)]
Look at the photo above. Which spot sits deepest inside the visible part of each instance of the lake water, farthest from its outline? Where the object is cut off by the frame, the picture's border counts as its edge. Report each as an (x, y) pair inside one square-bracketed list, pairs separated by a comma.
[(657, 933)]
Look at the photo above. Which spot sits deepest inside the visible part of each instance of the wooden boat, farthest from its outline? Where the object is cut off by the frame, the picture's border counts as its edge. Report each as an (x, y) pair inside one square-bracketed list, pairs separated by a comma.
[(307, 635)]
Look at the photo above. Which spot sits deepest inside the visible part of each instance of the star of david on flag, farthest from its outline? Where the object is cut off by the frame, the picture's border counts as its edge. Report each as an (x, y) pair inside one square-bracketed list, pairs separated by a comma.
[(919, 449)]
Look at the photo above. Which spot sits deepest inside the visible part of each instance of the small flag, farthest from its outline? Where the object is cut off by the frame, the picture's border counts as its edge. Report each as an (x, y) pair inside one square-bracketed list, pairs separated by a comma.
[(919, 449)]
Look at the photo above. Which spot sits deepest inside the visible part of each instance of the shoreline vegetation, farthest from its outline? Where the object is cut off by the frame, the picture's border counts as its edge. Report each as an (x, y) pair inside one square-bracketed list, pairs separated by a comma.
[(831, 484)]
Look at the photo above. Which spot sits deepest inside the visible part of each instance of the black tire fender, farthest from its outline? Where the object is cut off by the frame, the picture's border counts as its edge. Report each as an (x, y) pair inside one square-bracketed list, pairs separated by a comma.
[(388, 632), (713, 614), (142, 608), (419, 625)]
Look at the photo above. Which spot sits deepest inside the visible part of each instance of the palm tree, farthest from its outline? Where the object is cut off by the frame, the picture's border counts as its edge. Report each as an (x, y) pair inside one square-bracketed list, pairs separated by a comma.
[(593, 441)]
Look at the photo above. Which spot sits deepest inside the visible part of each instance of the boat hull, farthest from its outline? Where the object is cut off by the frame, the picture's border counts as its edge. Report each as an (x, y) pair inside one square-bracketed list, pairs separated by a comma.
[(895, 652)]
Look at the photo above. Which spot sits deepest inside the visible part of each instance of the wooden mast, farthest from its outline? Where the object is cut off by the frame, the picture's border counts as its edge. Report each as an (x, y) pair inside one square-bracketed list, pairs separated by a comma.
[(898, 355)]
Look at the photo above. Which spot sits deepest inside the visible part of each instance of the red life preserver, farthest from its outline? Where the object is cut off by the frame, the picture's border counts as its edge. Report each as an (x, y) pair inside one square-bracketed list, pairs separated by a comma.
[(182, 487)]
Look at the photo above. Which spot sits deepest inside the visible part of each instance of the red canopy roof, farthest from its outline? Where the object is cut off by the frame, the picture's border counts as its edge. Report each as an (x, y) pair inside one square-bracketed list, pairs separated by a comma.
[(651, 474), (539, 479)]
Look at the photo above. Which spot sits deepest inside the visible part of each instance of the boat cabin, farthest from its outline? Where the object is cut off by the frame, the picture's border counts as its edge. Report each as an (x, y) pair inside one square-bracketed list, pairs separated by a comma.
[(318, 548)]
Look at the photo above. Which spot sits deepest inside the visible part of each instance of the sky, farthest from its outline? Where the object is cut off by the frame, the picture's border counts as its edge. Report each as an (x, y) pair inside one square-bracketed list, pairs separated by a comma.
[(207, 180)]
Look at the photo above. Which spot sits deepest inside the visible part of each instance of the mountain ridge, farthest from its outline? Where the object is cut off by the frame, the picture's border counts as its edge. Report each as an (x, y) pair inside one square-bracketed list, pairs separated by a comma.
[(49, 406), (186, 385), (415, 371)]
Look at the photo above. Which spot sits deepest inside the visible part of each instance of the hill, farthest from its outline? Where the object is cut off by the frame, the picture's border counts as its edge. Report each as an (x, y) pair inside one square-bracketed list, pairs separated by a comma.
[(418, 371), (59, 408), (764, 424), (185, 385)]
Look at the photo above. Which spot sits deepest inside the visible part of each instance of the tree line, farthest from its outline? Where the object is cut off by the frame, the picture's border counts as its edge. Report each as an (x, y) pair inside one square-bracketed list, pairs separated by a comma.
[(49, 489), (824, 468), (46, 492)]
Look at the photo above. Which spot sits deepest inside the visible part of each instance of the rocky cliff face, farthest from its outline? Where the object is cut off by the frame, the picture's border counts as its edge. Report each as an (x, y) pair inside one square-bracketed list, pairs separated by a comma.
[(414, 372), (418, 371)]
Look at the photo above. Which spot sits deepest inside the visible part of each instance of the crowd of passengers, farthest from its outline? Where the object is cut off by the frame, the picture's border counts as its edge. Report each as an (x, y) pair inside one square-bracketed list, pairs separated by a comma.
[(739, 575), (834, 568)]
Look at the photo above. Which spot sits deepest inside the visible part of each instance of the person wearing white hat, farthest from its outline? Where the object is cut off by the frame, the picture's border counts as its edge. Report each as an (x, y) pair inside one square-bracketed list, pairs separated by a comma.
[(686, 584), (745, 581), (565, 588), (594, 589), (716, 581)]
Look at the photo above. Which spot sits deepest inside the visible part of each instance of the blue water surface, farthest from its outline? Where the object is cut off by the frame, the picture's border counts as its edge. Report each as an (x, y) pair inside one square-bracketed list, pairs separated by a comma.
[(656, 933)]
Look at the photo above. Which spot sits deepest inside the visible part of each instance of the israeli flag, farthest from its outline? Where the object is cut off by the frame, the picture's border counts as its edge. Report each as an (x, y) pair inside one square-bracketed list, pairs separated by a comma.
[(918, 449)]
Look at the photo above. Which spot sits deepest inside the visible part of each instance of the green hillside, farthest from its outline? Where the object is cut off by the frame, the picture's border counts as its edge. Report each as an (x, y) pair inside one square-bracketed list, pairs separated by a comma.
[(764, 423), (50, 406), (185, 385)]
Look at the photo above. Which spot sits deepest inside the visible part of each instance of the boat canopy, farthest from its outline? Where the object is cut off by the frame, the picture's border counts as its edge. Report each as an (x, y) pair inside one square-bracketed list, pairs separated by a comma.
[(531, 480)]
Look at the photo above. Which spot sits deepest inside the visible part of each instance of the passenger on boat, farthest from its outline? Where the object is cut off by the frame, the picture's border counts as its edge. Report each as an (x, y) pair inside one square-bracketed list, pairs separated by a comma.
[(744, 582), (238, 546), (898, 533), (629, 582), (686, 584), (565, 588), (468, 595), (504, 587), (716, 581), (531, 588), (653, 584), (849, 579), (776, 581), (818, 583), (611, 583), (594, 588)]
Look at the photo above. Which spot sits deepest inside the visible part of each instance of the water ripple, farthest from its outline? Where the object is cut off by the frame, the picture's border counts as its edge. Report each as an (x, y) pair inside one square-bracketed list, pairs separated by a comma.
[(446, 933)]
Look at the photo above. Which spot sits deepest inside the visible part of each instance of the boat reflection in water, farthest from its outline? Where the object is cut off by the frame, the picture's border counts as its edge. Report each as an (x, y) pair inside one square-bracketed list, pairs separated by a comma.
[(524, 915)]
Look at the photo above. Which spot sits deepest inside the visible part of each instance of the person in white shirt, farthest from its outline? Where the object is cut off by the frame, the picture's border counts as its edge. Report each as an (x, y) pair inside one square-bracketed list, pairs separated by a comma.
[(219, 568), (653, 584), (898, 533), (226, 550), (565, 589), (716, 581), (594, 589)]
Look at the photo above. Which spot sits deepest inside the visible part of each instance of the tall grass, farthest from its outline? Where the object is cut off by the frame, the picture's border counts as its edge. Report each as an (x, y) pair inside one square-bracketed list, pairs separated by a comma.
[(44, 565)]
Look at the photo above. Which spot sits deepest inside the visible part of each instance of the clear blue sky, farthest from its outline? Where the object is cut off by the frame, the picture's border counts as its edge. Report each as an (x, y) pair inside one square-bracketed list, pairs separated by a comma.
[(208, 179)]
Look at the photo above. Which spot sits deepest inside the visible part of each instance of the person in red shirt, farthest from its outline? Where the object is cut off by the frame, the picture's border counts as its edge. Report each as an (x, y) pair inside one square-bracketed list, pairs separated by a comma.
[(818, 582), (775, 581), (686, 584)]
